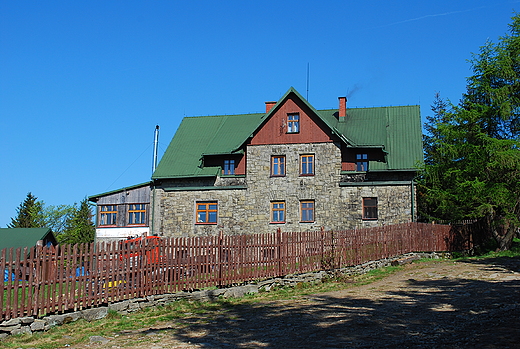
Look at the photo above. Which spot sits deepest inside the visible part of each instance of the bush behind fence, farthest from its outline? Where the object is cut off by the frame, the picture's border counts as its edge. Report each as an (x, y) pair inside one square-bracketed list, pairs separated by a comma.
[(44, 280)]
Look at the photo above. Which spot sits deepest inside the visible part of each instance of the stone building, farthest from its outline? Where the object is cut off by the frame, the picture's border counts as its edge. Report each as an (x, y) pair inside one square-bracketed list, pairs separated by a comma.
[(292, 167)]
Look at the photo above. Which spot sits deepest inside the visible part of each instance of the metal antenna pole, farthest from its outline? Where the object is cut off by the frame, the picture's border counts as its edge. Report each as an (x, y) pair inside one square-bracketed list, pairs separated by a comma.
[(307, 97)]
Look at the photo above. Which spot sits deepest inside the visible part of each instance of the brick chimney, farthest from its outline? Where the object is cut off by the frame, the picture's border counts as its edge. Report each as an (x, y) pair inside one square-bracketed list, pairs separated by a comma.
[(269, 106), (342, 108)]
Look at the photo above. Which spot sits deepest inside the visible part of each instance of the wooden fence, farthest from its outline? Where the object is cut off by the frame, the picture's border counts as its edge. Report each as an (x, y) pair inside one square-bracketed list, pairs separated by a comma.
[(45, 280)]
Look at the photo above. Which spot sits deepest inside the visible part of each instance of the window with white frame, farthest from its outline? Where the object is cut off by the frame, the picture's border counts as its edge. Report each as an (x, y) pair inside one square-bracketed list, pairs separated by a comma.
[(293, 123)]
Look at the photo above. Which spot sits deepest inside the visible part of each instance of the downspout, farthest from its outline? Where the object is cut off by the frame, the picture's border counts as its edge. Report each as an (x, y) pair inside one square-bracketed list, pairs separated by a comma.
[(152, 226), (412, 188)]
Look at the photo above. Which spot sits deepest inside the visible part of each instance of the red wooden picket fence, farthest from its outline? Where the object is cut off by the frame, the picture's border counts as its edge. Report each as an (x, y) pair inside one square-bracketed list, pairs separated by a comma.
[(46, 280)]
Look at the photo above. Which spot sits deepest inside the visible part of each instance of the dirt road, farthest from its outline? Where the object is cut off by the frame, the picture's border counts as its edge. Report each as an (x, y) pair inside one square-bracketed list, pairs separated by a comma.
[(473, 304)]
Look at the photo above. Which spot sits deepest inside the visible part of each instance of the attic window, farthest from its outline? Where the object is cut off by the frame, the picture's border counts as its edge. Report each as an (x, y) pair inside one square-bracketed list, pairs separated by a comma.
[(293, 123), (229, 167), (361, 162)]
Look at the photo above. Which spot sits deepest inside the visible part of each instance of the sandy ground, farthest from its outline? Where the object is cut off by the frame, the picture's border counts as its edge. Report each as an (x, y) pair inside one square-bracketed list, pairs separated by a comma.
[(473, 304)]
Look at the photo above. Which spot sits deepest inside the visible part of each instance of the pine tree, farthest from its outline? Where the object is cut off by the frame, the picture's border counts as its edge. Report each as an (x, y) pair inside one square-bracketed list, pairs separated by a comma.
[(28, 214)]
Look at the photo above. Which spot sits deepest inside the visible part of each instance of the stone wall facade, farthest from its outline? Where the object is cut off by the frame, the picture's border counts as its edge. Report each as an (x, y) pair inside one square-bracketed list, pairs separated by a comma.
[(244, 203)]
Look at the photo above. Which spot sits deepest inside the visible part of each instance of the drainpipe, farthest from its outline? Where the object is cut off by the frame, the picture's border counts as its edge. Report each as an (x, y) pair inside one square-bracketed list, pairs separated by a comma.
[(412, 188), (152, 218)]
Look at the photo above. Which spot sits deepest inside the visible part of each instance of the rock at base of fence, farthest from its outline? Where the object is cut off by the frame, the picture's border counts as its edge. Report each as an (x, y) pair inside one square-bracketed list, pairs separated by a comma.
[(404, 260), (28, 325)]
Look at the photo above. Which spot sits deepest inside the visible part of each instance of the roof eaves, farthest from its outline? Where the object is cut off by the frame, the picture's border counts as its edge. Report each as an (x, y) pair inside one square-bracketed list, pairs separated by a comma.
[(92, 197), (231, 152)]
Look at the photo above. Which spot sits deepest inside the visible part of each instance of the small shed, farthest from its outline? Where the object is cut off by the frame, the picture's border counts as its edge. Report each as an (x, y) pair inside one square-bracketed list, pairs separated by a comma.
[(25, 237)]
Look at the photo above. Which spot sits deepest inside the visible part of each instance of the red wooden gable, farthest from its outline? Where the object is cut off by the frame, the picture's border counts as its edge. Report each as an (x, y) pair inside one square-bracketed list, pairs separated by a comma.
[(275, 129)]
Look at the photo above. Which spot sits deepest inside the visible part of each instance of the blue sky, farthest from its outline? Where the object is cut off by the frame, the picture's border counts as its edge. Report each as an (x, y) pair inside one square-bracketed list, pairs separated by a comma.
[(83, 83)]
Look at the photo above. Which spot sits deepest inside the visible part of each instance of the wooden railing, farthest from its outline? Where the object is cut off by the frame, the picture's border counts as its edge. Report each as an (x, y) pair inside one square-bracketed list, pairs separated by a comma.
[(45, 280)]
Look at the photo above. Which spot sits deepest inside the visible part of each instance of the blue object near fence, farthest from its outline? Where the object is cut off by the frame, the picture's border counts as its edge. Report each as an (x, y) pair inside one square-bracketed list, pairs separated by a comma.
[(80, 271), (6, 276)]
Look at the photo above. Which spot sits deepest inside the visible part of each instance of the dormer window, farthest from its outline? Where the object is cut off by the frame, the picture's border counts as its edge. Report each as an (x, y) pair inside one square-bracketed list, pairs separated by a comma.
[(229, 167), (293, 123), (361, 162)]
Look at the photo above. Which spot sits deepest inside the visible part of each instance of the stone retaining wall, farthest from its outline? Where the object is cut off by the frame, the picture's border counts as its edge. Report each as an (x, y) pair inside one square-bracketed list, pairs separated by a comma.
[(29, 324)]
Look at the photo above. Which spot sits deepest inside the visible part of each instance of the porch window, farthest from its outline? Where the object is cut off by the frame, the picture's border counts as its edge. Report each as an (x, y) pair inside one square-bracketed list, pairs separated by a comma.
[(361, 162), (207, 212), (229, 167), (108, 215)]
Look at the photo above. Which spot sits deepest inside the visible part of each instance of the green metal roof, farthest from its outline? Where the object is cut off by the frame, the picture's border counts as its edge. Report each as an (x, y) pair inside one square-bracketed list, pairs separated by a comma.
[(24, 237), (396, 130), (197, 136), (93, 198)]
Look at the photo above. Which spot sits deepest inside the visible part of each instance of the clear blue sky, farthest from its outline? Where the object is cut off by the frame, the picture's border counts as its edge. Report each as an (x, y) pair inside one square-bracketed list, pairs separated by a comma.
[(83, 83)]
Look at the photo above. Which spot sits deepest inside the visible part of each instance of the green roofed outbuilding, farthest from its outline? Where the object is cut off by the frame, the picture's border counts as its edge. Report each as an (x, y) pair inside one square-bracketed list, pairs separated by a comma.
[(25, 237)]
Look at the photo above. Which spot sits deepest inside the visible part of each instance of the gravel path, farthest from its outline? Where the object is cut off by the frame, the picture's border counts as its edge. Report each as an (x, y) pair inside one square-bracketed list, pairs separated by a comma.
[(474, 304)]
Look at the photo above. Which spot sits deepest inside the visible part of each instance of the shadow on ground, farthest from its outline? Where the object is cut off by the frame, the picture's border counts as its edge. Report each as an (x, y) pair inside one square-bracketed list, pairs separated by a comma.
[(434, 312)]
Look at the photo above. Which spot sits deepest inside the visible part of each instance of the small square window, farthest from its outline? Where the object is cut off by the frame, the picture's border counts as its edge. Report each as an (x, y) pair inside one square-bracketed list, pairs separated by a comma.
[(307, 211), (278, 212), (307, 165), (361, 162), (293, 123), (207, 212), (229, 167), (370, 208), (278, 166)]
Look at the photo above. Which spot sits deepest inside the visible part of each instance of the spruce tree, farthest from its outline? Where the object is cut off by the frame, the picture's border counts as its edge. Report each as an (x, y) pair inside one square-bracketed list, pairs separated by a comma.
[(28, 214), (472, 150)]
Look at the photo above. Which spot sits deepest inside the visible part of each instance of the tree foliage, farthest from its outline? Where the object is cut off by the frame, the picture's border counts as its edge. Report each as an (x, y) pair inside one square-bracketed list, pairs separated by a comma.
[(80, 227), (69, 223), (472, 150), (27, 214)]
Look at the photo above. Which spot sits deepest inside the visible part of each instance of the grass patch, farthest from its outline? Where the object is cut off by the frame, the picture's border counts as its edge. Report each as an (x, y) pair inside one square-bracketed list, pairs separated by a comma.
[(513, 252), (376, 274)]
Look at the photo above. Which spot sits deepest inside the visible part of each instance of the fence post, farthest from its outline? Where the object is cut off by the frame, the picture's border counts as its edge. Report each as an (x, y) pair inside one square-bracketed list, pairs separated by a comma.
[(279, 242), (220, 260)]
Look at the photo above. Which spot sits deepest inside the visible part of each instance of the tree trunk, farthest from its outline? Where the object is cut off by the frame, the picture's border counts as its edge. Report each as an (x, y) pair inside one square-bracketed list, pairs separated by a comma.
[(504, 234)]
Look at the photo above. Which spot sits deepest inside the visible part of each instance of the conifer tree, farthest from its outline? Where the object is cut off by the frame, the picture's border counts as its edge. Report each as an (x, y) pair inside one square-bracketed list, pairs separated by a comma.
[(28, 214), (472, 150)]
